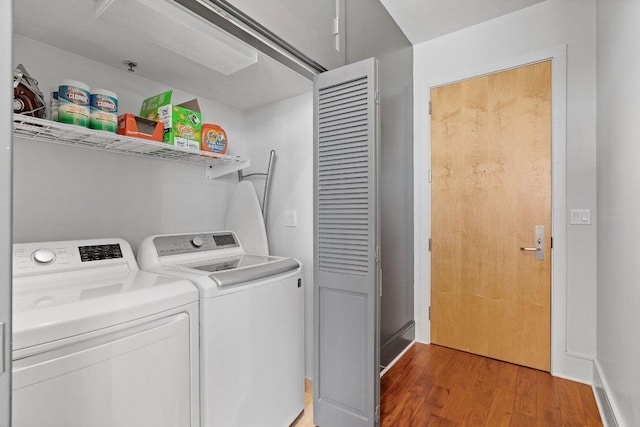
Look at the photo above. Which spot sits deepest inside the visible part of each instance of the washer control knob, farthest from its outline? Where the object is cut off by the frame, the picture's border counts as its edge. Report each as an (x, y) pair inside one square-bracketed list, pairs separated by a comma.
[(44, 256), (197, 242)]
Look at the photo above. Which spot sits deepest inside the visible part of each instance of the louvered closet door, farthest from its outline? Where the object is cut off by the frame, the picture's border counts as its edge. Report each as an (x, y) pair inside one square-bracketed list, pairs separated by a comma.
[(346, 271)]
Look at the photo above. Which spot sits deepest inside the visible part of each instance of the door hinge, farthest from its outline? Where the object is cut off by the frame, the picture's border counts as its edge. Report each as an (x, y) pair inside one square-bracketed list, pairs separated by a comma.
[(378, 257), (429, 244), (377, 414), (429, 176), (336, 32), (429, 312), (1, 348), (377, 96), (429, 107), (551, 242)]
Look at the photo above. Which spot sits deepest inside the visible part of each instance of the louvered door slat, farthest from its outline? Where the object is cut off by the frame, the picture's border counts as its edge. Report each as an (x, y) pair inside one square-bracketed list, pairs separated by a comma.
[(346, 92), (346, 140), (342, 173), (343, 117), (356, 149), (329, 90), (328, 118), (339, 128), (345, 106), (353, 206), (345, 156), (352, 132)]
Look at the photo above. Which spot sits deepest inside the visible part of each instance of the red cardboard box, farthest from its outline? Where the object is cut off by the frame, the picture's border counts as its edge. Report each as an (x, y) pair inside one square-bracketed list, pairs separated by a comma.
[(138, 127)]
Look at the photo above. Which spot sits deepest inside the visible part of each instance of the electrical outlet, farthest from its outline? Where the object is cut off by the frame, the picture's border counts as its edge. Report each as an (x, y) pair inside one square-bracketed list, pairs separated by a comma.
[(290, 218)]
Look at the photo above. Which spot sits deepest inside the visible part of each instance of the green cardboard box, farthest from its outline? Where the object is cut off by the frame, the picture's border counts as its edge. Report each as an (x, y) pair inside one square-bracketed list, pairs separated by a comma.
[(150, 106), (182, 124)]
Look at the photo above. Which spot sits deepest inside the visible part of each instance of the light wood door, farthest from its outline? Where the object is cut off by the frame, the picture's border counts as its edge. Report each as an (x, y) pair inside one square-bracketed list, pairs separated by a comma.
[(491, 186)]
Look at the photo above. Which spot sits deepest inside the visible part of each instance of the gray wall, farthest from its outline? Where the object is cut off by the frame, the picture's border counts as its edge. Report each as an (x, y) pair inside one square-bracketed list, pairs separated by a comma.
[(370, 31), (618, 156)]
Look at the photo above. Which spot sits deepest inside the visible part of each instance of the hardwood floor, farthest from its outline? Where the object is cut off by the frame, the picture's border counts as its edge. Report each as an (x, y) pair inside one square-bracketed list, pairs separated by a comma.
[(307, 416), (436, 386)]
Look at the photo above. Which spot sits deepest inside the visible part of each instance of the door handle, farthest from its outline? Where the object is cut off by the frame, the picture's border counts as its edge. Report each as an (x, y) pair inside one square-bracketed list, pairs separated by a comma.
[(539, 241)]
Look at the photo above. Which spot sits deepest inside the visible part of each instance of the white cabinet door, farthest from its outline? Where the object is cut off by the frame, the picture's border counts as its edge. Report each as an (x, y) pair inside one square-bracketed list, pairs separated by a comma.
[(6, 113), (307, 25)]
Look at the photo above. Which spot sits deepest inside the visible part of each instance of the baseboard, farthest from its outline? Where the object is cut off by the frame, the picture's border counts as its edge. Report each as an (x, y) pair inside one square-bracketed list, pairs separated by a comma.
[(574, 367), (390, 350), (601, 390), (398, 357)]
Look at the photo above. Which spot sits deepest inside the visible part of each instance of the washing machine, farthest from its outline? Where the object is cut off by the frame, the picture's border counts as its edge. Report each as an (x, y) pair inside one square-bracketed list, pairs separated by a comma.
[(251, 326), (96, 342)]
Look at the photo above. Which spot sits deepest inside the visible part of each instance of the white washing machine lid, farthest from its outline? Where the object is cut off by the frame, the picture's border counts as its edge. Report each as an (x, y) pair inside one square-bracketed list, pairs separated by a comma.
[(244, 269), (215, 261), (67, 296), (46, 311)]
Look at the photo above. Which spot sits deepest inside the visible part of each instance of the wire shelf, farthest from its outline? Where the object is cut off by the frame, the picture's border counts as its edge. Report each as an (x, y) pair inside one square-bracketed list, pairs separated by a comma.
[(78, 136)]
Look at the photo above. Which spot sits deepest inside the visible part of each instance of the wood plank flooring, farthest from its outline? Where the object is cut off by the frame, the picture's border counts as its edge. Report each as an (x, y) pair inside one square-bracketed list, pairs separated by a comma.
[(307, 416), (437, 386)]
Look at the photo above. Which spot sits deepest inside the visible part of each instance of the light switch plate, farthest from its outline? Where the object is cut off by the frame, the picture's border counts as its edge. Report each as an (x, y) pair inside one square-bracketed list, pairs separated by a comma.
[(581, 216), (290, 218)]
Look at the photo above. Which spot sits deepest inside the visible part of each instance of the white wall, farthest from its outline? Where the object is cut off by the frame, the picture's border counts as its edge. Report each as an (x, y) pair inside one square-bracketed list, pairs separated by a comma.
[(287, 127), (618, 199), (520, 34), (72, 193)]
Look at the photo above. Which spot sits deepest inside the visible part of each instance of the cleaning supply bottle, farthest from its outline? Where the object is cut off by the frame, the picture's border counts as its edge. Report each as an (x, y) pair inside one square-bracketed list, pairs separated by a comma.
[(214, 138)]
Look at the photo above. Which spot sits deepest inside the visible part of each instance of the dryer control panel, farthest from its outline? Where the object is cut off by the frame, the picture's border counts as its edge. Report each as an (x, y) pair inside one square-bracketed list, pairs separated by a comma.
[(193, 243)]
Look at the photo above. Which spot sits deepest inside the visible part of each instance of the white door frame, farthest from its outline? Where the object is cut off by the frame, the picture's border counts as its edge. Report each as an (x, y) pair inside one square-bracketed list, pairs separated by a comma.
[(6, 153), (563, 363)]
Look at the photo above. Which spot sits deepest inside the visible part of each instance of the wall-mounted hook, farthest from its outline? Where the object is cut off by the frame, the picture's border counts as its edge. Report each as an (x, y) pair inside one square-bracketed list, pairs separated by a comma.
[(131, 64)]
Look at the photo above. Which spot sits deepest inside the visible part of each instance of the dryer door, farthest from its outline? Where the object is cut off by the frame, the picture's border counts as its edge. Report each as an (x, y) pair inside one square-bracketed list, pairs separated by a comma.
[(132, 375)]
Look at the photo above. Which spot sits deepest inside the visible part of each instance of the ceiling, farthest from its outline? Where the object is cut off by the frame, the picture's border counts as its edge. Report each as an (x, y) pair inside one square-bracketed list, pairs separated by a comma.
[(264, 82), (423, 20)]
